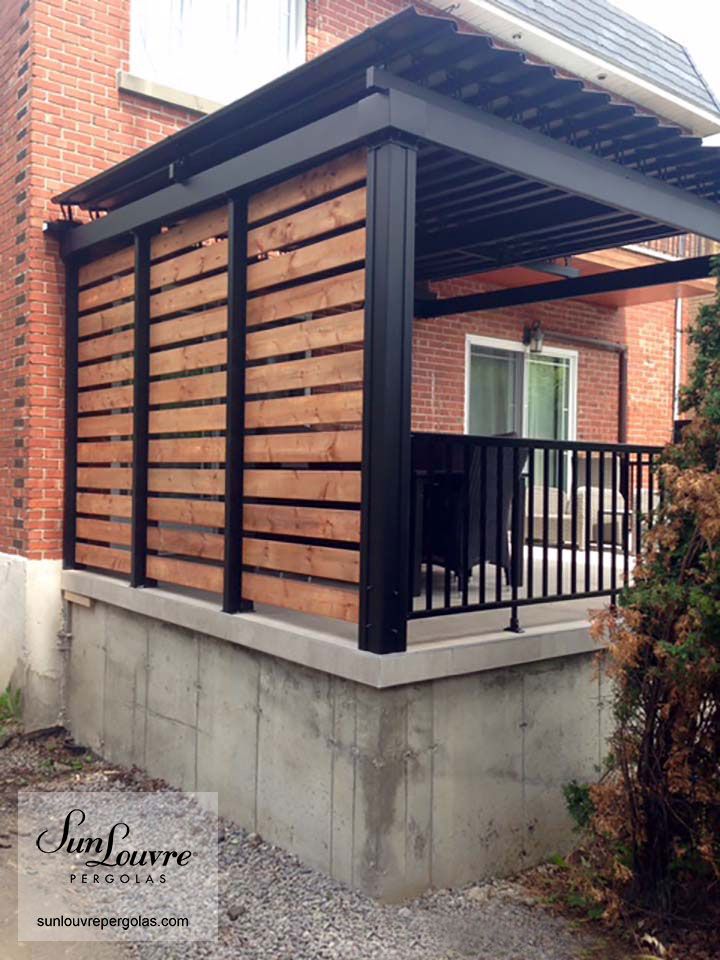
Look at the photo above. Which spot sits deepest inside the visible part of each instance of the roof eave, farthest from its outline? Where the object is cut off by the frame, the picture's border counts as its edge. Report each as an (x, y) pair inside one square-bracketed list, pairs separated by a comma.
[(487, 17)]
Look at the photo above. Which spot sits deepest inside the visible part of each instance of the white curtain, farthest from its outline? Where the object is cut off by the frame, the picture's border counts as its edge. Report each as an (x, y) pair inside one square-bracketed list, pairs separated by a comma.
[(218, 49)]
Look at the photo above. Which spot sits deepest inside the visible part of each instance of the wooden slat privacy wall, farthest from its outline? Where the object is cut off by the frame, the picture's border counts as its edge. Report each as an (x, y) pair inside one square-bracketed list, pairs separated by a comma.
[(303, 386)]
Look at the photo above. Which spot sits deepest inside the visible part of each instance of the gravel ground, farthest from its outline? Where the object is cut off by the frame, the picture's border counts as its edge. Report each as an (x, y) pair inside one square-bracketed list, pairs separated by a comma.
[(273, 907)]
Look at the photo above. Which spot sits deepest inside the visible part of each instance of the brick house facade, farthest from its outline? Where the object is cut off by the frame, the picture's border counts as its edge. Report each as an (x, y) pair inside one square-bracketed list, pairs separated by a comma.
[(64, 119)]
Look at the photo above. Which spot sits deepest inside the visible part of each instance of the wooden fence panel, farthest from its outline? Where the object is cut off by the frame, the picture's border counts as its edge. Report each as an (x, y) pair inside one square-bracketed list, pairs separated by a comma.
[(304, 397), (303, 385), (105, 421)]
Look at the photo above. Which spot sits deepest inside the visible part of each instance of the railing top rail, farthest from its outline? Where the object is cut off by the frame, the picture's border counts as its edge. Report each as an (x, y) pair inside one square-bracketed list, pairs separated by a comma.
[(524, 442)]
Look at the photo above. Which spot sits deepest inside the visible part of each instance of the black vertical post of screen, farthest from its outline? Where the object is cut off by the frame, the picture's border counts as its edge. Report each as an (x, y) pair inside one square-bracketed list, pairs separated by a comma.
[(71, 413), (235, 405), (386, 482), (141, 408)]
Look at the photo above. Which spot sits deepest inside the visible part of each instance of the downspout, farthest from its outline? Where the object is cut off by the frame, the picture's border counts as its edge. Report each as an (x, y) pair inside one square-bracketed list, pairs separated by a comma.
[(678, 358), (622, 354)]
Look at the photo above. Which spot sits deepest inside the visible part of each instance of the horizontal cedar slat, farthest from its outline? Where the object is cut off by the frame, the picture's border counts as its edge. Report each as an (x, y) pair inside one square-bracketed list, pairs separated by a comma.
[(199, 576), (204, 323), (114, 451), (107, 266), (104, 530), (117, 288), (190, 296), (184, 359), (201, 226), (305, 261), (331, 563), (330, 370), (317, 523), (105, 504), (343, 211), (342, 446), (191, 450), (98, 348), (106, 558), (105, 320), (188, 419), (105, 478), (203, 386), (198, 513), (326, 178), (335, 602), (332, 331), (339, 485), (190, 543), (112, 371), (344, 406), (178, 480), (340, 291), (115, 425), (112, 398)]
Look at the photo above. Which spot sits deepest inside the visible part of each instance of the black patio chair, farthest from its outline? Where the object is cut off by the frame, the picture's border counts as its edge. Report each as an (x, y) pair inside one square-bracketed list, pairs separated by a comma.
[(489, 511)]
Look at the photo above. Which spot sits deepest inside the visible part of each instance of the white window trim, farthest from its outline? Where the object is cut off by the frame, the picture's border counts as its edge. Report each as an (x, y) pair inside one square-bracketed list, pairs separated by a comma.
[(497, 343)]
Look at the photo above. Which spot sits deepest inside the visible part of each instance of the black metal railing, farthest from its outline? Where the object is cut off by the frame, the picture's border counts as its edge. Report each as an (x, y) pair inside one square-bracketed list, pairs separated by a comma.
[(505, 522)]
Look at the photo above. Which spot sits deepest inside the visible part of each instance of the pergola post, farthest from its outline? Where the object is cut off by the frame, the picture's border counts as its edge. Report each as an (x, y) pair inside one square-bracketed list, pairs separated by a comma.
[(141, 410), (390, 268)]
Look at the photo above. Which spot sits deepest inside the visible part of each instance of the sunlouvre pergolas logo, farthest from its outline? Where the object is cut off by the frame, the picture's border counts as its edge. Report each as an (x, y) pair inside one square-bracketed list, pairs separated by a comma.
[(117, 866)]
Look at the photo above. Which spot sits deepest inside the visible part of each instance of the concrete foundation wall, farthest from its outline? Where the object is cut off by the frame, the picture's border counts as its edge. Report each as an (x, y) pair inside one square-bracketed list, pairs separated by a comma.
[(30, 648), (390, 790)]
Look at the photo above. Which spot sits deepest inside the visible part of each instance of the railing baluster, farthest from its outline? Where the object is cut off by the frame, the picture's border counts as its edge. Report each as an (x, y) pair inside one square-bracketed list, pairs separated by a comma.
[(428, 498), (531, 523), (613, 533), (465, 529), (574, 523), (601, 521), (483, 520), (638, 501), (560, 518), (449, 532), (499, 524), (588, 518), (651, 491), (627, 494), (516, 559), (546, 519)]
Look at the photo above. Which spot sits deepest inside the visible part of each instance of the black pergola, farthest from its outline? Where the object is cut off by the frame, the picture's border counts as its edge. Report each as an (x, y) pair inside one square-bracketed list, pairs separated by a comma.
[(478, 159)]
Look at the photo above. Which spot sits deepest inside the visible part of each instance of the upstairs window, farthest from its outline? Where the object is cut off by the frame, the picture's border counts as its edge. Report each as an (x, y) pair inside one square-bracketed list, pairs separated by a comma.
[(217, 49)]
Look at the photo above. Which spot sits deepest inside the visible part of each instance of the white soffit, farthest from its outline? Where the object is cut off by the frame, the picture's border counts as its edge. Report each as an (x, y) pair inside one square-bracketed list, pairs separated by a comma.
[(516, 32)]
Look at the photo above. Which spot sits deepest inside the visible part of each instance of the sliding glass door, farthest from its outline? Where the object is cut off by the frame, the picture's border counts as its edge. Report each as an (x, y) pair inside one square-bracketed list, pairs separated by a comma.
[(510, 390)]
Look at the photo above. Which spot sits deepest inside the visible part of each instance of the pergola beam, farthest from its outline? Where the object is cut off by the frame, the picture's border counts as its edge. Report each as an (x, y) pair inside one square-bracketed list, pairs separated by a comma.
[(441, 120), (331, 134), (676, 271)]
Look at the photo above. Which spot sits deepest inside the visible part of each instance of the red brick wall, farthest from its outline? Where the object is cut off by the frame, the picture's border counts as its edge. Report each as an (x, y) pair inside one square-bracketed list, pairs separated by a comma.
[(76, 124), (15, 59)]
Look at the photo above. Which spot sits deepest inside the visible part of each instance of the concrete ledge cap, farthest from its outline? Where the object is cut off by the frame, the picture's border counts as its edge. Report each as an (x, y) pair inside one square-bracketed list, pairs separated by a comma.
[(158, 91), (335, 654)]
